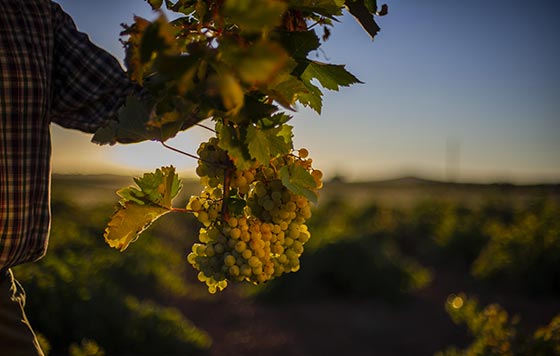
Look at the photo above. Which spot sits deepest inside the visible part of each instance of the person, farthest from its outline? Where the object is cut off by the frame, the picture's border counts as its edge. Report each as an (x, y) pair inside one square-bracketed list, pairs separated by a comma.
[(49, 72)]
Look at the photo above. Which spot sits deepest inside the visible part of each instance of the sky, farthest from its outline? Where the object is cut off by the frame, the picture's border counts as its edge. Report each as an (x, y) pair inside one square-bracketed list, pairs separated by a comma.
[(453, 90)]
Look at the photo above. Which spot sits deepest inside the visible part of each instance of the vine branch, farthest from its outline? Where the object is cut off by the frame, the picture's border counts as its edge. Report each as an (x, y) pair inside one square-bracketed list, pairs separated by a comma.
[(179, 151)]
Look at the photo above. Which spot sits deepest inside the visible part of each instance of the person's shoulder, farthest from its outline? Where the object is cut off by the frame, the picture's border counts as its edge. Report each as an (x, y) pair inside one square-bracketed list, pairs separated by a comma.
[(36, 7)]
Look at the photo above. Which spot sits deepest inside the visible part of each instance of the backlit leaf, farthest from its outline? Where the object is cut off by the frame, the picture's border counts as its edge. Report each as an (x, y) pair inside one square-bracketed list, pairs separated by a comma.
[(257, 63), (313, 98), (140, 206), (155, 4), (331, 76), (299, 43), (232, 93), (129, 221), (299, 181), (328, 8), (254, 15), (234, 145), (130, 127), (268, 143), (285, 89)]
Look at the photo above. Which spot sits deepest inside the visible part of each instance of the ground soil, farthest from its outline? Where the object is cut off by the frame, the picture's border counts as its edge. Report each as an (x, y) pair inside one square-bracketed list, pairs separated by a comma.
[(419, 325)]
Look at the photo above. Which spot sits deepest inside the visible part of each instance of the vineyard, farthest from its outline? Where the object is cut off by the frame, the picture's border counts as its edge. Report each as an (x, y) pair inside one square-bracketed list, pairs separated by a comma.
[(393, 268)]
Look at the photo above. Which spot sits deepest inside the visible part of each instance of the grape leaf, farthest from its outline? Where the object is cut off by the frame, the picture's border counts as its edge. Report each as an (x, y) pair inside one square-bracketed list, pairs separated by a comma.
[(130, 126), (232, 93), (234, 145), (129, 221), (140, 206), (363, 11), (236, 205), (299, 43), (299, 181), (155, 4), (331, 76), (159, 187), (328, 8), (256, 63), (136, 67), (253, 110), (286, 132), (313, 98), (285, 89), (268, 143), (255, 15), (274, 120), (158, 37)]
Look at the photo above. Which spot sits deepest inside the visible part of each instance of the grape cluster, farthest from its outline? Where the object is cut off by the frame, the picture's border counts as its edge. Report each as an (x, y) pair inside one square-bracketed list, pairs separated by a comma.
[(258, 242)]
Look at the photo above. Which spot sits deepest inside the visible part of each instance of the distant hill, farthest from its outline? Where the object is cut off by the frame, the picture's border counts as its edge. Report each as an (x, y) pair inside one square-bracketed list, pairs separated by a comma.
[(96, 189)]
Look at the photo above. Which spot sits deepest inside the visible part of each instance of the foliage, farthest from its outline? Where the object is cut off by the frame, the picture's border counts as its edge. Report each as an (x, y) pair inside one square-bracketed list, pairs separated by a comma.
[(390, 246), (83, 292), (354, 253), (259, 232), (365, 266), (526, 253), (139, 208), (495, 334), (86, 348), (244, 64)]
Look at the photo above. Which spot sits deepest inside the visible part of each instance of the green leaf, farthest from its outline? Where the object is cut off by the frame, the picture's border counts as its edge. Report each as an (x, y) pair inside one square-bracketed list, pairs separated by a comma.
[(232, 93), (331, 76), (174, 67), (158, 37), (140, 206), (253, 110), (155, 4), (299, 181), (234, 145), (159, 187), (328, 8), (106, 135), (299, 43), (371, 6), (256, 63), (286, 132), (171, 115), (362, 12), (274, 120), (313, 98), (285, 89), (236, 205), (255, 15), (268, 143), (130, 126)]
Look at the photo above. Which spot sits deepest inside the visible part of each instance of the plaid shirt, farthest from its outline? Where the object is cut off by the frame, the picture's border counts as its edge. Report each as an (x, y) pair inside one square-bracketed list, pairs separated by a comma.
[(48, 72)]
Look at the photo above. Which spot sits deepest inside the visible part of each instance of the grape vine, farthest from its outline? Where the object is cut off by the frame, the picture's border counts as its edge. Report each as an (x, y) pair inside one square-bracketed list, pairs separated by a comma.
[(244, 65)]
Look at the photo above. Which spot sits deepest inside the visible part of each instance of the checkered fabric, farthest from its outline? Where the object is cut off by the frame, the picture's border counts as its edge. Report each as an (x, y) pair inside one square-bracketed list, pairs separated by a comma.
[(49, 72)]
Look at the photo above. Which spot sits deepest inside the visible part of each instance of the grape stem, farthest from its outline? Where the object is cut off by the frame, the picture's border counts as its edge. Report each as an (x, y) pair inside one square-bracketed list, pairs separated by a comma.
[(182, 210), (227, 183), (179, 151), (190, 155), (206, 127)]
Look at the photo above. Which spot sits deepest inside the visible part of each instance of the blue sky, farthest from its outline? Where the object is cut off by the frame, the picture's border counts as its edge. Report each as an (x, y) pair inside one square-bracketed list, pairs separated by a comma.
[(479, 77)]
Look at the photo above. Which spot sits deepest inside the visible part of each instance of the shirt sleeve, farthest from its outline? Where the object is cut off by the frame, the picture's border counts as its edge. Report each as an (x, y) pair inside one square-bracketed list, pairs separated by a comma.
[(89, 84)]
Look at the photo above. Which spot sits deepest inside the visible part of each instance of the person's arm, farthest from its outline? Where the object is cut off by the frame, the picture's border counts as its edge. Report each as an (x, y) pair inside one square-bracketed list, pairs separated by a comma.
[(89, 83)]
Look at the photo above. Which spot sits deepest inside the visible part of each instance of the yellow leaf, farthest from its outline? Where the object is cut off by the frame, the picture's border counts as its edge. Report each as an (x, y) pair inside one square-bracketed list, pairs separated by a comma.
[(232, 93), (129, 221)]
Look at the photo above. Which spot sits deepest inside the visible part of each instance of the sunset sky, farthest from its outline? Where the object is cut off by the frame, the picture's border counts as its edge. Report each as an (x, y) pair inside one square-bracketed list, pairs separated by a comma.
[(473, 83)]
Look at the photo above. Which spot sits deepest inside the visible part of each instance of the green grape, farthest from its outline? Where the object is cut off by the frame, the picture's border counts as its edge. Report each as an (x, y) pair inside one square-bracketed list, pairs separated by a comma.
[(255, 244)]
